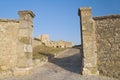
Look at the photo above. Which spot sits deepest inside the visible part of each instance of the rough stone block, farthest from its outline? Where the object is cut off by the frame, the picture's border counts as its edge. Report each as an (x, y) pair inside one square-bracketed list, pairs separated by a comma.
[(22, 71)]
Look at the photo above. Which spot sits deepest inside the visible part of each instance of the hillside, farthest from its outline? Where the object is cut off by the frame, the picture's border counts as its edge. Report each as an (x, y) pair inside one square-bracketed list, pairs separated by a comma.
[(40, 51)]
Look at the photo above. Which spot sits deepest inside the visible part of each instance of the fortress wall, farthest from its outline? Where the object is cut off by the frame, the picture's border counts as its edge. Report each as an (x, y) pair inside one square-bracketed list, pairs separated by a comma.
[(100, 39), (68, 44), (16, 45), (44, 38), (8, 43), (108, 45), (36, 42)]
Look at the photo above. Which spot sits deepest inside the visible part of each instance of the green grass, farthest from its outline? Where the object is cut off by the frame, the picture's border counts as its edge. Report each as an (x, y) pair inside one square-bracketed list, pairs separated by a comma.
[(44, 51)]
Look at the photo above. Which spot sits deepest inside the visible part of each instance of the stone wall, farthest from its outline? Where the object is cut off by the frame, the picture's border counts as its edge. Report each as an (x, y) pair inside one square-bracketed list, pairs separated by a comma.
[(89, 42), (44, 39), (108, 45), (37, 42), (16, 45), (8, 41), (8, 38), (101, 38), (59, 44)]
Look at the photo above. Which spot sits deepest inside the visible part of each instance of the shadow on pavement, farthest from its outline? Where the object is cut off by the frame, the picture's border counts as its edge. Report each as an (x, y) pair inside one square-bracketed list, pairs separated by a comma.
[(71, 63)]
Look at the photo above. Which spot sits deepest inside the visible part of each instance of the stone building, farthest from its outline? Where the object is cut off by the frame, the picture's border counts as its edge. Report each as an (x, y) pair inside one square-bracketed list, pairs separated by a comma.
[(16, 45), (44, 38), (60, 44), (101, 43)]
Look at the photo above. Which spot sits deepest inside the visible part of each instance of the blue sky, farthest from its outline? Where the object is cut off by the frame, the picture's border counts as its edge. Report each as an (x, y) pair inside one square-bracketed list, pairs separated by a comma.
[(58, 18)]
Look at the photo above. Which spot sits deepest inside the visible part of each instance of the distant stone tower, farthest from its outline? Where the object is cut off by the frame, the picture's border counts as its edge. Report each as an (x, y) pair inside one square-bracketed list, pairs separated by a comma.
[(88, 42), (44, 38), (25, 41)]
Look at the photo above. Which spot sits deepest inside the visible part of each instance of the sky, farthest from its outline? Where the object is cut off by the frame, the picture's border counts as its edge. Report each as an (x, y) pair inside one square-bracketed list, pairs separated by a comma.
[(58, 18)]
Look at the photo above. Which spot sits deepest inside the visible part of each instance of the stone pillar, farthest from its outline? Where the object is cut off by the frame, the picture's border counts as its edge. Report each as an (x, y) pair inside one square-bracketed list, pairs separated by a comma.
[(88, 42), (24, 62)]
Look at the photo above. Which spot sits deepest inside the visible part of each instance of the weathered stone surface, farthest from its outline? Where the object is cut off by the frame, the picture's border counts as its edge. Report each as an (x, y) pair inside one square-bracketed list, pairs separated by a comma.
[(6, 73), (16, 43), (8, 40), (44, 38), (101, 43), (40, 62), (24, 58), (108, 45), (89, 42), (22, 71), (57, 44)]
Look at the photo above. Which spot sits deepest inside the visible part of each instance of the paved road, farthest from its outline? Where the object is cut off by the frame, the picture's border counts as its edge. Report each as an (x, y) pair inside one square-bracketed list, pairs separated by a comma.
[(65, 66)]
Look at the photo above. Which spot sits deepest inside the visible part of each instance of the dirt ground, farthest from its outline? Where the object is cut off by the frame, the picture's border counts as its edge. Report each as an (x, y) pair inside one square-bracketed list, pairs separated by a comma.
[(66, 66)]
